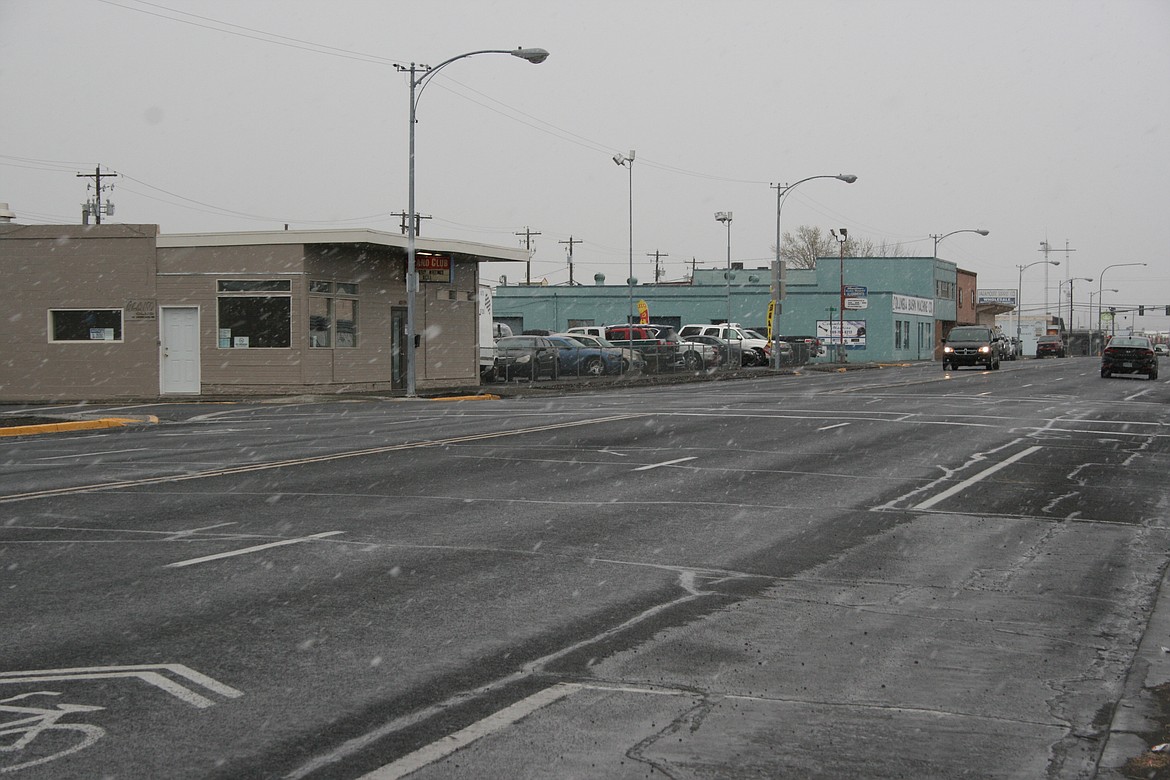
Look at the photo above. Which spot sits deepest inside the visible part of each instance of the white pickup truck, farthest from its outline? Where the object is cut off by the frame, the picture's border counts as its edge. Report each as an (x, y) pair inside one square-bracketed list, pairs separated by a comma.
[(754, 350)]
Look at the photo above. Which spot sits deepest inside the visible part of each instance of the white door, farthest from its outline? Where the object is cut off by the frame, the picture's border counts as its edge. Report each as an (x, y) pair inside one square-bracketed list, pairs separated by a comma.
[(179, 343)]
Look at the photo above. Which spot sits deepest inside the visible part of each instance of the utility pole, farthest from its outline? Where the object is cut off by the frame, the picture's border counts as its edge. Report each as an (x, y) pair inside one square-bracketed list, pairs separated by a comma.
[(657, 268), (528, 233), (1046, 247), (95, 206), (570, 242), (403, 215)]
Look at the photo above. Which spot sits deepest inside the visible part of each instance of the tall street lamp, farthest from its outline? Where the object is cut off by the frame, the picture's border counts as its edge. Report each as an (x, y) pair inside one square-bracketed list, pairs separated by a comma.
[(1098, 293), (725, 218), (1100, 283), (778, 275), (628, 161), (420, 76), (1020, 294), (841, 237), (938, 238)]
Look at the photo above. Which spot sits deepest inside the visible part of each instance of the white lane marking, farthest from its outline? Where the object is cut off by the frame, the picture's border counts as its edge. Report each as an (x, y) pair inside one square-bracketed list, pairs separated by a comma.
[(93, 454), (666, 463), (928, 503), (248, 550), (831, 427), (148, 673), (412, 762), (1135, 395)]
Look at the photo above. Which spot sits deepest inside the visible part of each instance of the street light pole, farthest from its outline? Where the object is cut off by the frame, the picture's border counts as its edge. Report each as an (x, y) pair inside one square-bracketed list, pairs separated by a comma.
[(938, 238), (841, 237), (1020, 295), (1069, 282), (781, 194), (420, 76), (725, 218), (628, 162), (1100, 284)]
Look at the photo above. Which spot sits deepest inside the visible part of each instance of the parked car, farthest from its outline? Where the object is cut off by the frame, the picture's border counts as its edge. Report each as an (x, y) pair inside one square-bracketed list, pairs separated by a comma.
[(526, 356), (1006, 352), (659, 344), (755, 350), (784, 347), (575, 358), (700, 355), (723, 346), (1161, 349), (971, 345), (632, 359), (1050, 346), (1129, 355)]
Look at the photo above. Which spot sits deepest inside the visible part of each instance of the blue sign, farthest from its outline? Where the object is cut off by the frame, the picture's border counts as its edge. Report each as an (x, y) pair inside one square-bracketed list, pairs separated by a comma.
[(855, 291)]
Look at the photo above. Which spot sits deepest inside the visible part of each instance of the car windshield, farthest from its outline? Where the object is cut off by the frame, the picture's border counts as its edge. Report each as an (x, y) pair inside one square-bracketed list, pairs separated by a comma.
[(1049, 339), (755, 334), (969, 334)]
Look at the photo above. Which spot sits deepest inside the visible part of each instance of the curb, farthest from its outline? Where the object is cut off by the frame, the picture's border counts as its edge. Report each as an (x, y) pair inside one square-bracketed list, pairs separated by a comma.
[(79, 425)]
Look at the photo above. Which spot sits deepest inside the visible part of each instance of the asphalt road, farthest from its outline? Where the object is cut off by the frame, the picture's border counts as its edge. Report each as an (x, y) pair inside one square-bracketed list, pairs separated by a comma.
[(895, 573)]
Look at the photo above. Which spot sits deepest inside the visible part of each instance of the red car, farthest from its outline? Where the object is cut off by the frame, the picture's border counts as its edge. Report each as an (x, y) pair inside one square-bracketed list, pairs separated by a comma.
[(1050, 346)]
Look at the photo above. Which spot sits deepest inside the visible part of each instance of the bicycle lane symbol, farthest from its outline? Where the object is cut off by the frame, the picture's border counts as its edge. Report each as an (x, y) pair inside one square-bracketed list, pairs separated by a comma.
[(22, 724), (33, 722)]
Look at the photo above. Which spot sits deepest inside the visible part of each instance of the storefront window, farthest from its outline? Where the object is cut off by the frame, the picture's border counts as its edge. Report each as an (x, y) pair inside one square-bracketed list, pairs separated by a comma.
[(332, 310), (85, 325), (251, 319)]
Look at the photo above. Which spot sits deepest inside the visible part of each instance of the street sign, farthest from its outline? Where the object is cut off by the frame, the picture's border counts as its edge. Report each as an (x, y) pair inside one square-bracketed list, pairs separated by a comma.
[(855, 291), (856, 304)]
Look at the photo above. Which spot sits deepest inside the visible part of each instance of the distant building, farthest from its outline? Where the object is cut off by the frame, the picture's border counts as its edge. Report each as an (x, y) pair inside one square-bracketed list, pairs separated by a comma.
[(898, 308), (122, 311)]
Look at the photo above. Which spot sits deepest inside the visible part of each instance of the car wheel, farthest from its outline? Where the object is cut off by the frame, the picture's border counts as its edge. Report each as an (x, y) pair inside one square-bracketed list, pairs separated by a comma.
[(1153, 375), (1104, 374), (693, 361), (594, 367)]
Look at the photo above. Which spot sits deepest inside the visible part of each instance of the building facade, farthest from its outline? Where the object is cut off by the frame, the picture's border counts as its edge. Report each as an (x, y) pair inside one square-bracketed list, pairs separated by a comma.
[(898, 309), (122, 311)]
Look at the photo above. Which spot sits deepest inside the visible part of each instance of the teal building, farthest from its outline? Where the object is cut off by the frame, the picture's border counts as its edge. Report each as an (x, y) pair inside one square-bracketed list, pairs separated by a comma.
[(896, 308)]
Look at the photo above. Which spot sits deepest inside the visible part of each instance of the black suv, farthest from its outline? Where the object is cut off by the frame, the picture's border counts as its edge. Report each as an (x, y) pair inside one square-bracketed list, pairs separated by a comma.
[(970, 345)]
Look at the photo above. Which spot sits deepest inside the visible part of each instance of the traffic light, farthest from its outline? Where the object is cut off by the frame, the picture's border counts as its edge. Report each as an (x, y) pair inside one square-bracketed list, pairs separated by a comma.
[(1168, 311), (1141, 310)]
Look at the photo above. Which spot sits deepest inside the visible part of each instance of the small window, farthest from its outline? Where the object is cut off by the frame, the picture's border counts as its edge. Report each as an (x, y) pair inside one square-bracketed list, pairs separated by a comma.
[(346, 288), (85, 325), (345, 317), (318, 286), (320, 322)]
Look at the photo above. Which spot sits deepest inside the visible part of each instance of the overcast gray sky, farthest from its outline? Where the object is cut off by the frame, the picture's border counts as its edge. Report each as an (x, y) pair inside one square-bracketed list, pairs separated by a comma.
[(1044, 119)]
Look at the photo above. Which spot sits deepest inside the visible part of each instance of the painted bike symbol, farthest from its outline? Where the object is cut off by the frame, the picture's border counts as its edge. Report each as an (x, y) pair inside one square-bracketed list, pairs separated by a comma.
[(33, 722)]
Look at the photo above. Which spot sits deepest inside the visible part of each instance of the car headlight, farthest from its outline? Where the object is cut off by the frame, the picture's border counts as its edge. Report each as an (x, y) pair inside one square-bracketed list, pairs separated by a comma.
[(985, 348), (524, 358), (948, 349)]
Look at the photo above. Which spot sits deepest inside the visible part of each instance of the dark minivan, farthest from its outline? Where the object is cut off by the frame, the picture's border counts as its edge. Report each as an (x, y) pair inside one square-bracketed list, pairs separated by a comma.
[(970, 345)]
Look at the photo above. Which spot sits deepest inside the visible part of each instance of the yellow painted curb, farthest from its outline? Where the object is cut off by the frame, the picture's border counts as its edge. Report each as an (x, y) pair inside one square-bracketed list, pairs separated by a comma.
[(80, 425), (487, 397)]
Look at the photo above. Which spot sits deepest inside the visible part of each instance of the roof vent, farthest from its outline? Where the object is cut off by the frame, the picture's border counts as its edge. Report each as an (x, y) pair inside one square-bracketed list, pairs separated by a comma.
[(6, 214), (599, 279)]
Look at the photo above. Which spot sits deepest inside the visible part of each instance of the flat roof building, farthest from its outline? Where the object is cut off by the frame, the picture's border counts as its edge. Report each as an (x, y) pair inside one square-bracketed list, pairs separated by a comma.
[(121, 311)]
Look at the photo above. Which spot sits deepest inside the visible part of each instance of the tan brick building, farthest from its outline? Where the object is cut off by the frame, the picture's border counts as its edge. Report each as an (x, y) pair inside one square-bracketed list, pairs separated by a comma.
[(122, 311)]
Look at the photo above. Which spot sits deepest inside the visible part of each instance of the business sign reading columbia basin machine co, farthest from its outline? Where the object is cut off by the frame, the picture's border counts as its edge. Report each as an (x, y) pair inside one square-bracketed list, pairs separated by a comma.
[(908, 304)]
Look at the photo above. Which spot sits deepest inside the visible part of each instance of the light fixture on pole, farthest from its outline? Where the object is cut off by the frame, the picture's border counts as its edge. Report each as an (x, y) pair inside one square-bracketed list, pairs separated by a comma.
[(725, 218), (1100, 282), (628, 161), (1020, 295), (778, 273), (938, 238), (1098, 294), (841, 237), (420, 76)]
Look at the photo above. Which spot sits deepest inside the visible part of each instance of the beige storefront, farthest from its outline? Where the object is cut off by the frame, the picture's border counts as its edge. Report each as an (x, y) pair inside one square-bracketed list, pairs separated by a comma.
[(121, 311)]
